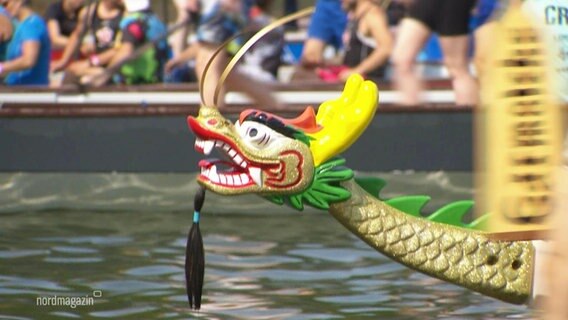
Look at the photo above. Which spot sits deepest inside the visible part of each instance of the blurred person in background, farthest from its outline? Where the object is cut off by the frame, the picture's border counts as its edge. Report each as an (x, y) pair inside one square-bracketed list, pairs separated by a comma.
[(220, 20), (61, 18), (551, 16), (181, 68), (326, 27), (450, 19), (368, 42), (6, 30), (555, 305), (290, 7), (262, 61), (28, 55), (95, 33), (187, 10), (396, 10), (484, 21), (138, 26)]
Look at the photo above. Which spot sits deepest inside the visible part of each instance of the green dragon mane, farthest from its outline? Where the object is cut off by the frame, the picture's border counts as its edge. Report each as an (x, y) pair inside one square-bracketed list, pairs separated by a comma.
[(326, 189)]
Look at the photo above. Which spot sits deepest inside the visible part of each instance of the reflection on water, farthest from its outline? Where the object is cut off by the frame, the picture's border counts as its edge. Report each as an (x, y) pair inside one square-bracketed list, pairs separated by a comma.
[(265, 265)]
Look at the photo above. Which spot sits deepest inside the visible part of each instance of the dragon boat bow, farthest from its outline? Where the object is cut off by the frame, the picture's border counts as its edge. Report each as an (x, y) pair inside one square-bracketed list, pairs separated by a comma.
[(295, 162)]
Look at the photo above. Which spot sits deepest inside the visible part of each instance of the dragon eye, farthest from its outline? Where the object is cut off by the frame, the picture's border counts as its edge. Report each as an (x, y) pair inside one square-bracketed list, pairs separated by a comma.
[(256, 134)]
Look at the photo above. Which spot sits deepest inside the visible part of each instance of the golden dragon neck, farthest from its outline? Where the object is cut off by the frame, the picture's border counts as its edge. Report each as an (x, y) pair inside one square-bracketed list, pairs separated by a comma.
[(468, 258)]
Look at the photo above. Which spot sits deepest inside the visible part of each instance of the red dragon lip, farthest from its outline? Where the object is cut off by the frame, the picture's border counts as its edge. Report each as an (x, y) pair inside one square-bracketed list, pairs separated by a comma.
[(241, 173)]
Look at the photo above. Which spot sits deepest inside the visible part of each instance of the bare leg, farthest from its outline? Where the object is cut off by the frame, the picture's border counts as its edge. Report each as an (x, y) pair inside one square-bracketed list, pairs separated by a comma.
[(411, 37), (483, 36), (312, 57), (456, 60), (312, 54), (179, 38)]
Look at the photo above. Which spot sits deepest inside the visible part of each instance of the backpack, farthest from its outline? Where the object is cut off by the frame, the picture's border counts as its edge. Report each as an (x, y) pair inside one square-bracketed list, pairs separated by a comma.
[(148, 68)]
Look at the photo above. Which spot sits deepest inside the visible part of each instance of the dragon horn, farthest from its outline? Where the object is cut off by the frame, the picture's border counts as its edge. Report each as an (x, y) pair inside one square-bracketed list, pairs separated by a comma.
[(344, 119)]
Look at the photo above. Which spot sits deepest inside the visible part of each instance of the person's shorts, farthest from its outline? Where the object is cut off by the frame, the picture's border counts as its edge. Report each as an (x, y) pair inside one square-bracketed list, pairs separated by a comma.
[(217, 26), (328, 22), (445, 17)]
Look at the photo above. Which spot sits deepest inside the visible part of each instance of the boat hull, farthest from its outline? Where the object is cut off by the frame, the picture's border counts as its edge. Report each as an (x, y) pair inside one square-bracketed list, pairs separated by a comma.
[(422, 141)]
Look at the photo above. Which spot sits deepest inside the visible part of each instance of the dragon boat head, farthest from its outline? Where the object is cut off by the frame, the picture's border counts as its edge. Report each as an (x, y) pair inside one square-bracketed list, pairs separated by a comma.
[(285, 160)]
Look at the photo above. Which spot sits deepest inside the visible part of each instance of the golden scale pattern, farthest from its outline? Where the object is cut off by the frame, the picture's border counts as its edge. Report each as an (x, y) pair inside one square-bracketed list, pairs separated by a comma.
[(468, 258)]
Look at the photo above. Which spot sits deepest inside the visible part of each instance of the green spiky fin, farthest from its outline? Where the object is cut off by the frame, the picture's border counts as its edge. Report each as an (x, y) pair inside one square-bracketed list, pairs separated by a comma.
[(411, 205), (452, 213), (408, 204), (480, 223), (372, 185)]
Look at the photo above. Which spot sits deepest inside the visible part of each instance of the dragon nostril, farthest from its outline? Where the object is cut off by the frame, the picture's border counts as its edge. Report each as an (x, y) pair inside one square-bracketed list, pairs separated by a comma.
[(212, 122)]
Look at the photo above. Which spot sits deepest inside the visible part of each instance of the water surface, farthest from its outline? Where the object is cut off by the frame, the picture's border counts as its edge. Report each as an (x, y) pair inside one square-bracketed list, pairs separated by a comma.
[(122, 237)]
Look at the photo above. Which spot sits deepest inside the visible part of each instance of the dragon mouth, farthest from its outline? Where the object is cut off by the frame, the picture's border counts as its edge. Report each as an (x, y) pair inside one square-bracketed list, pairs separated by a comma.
[(236, 172)]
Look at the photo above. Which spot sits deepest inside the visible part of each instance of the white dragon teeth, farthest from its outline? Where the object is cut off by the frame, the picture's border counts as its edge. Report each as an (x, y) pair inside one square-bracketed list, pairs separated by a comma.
[(228, 179), (199, 143), (208, 146), (212, 174), (232, 179), (256, 175), (238, 159)]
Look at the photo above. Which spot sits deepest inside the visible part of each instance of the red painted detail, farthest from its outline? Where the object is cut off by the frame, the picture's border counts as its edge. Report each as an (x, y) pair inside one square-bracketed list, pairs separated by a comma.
[(206, 134), (277, 176), (212, 122)]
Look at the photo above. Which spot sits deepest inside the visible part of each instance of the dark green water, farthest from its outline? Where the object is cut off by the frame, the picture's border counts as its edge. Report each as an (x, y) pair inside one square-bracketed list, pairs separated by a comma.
[(263, 262)]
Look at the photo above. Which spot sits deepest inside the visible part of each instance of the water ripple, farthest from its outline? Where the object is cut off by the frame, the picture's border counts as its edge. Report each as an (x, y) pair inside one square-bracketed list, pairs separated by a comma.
[(129, 286), (334, 254), (121, 312), (21, 253)]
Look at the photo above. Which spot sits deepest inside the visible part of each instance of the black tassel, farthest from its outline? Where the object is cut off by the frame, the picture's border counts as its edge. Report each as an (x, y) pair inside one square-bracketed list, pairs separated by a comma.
[(194, 256)]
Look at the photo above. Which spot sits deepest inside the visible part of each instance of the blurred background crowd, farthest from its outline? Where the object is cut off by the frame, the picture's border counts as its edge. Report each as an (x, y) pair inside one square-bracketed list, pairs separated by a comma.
[(143, 42)]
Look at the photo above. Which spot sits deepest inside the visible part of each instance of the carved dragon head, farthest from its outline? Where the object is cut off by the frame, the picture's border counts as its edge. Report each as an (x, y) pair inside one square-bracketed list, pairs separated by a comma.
[(285, 160)]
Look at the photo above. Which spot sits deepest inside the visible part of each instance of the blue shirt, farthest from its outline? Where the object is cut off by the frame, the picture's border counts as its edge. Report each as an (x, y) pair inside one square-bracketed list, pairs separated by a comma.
[(32, 28), (3, 44)]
